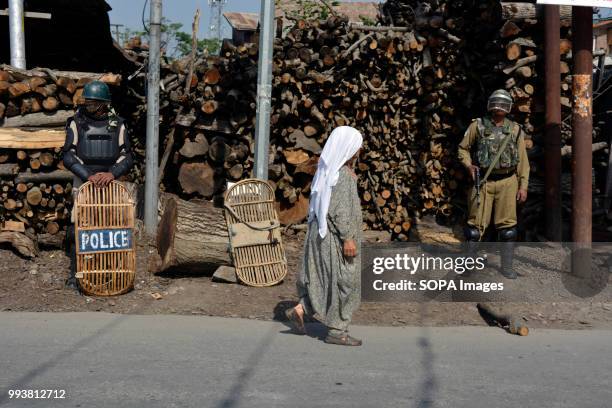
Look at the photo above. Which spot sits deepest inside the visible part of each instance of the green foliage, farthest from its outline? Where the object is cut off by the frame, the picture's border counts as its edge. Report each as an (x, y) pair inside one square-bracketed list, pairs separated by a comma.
[(177, 43)]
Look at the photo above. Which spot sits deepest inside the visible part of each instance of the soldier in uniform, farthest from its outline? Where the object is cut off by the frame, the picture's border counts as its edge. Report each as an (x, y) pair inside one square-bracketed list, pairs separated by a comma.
[(97, 149), (494, 148)]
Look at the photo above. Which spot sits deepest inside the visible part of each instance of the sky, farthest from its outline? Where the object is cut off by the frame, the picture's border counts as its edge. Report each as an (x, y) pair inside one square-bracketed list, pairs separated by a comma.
[(129, 13)]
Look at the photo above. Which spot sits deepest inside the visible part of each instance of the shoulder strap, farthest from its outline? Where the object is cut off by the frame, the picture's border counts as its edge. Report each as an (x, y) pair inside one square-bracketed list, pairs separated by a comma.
[(497, 157)]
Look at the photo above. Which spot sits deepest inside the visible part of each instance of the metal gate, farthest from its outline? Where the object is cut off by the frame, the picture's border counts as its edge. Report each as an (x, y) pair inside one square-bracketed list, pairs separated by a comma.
[(104, 233), (255, 235)]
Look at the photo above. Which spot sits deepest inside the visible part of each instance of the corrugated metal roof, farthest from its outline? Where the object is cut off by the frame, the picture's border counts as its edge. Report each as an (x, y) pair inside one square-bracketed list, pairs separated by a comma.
[(242, 21)]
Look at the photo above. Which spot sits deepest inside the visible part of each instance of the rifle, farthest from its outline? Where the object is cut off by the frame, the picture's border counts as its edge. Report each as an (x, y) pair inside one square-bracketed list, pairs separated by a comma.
[(477, 185)]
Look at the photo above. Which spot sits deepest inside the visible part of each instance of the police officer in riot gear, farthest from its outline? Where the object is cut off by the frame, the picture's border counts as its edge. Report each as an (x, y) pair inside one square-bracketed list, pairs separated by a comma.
[(97, 149), (494, 149)]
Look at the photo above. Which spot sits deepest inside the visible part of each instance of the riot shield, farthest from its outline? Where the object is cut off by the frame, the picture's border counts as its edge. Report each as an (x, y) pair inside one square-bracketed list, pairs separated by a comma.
[(104, 234), (255, 235)]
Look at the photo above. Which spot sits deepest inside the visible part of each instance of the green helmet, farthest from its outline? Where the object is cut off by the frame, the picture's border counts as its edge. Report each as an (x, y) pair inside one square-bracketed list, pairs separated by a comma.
[(97, 91), (500, 100)]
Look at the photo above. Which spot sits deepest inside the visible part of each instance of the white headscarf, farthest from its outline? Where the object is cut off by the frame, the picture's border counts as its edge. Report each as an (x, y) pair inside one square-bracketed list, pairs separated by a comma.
[(341, 145)]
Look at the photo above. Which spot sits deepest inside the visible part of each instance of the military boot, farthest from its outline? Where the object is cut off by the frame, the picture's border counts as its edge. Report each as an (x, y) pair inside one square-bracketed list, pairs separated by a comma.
[(71, 282), (507, 238)]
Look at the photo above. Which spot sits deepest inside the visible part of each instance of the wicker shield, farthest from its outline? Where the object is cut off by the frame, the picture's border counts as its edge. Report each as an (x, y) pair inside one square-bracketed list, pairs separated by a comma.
[(255, 236), (104, 234)]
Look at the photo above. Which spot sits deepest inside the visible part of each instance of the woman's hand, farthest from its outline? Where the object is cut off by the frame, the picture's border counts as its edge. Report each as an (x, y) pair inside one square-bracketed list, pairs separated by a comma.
[(349, 248)]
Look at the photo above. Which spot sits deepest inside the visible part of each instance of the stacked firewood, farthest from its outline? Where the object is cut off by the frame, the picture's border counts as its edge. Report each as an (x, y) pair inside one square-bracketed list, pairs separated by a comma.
[(45, 92), (411, 88), (385, 82), (34, 190)]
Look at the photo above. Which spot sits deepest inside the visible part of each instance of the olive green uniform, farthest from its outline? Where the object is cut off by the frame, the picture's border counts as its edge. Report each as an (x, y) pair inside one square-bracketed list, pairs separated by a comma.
[(498, 194)]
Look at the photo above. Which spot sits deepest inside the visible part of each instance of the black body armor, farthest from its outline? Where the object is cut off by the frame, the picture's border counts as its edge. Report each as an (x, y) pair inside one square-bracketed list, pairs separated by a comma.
[(98, 147)]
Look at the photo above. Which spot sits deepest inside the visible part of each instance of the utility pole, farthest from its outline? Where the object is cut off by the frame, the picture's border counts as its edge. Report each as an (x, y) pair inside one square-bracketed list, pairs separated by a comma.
[(16, 28), (152, 149), (552, 152), (216, 11), (264, 88), (117, 33), (582, 155)]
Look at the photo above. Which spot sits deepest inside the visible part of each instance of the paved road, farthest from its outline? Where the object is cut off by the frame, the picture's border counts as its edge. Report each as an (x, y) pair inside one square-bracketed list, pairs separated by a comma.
[(106, 360)]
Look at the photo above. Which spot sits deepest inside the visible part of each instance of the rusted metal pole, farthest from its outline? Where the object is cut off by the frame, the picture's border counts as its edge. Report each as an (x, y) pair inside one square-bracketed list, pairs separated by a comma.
[(552, 144), (582, 121)]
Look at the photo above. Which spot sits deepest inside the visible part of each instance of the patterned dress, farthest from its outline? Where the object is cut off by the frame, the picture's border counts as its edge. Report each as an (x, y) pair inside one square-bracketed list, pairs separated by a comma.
[(329, 285)]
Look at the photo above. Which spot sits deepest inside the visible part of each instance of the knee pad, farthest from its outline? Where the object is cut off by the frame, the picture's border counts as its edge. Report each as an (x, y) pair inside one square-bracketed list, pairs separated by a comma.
[(508, 234), (471, 233)]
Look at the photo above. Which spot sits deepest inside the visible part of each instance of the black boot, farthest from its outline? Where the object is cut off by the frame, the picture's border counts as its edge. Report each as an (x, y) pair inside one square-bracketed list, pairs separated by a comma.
[(71, 282), (507, 238), (472, 239)]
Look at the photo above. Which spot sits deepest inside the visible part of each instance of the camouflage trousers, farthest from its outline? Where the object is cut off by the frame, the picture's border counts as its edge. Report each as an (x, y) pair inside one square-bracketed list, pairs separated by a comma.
[(497, 199)]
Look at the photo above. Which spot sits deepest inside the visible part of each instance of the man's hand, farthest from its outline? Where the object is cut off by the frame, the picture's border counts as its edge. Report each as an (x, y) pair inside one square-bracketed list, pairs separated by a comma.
[(472, 169), (521, 196), (104, 179), (350, 248), (101, 180)]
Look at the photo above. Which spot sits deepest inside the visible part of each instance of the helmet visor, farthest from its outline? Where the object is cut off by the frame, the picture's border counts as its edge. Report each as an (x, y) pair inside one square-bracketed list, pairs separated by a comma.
[(499, 104)]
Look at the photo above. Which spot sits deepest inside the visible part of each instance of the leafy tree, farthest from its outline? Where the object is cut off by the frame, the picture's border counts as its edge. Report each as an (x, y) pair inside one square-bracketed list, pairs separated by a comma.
[(175, 42)]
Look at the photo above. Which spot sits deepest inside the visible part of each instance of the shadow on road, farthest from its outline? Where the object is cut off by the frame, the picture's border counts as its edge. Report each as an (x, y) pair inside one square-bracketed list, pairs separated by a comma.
[(429, 384), (25, 380), (242, 381)]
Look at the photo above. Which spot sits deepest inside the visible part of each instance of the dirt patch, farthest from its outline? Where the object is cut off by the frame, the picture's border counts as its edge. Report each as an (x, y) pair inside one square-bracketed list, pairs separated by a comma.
[(38, 286)]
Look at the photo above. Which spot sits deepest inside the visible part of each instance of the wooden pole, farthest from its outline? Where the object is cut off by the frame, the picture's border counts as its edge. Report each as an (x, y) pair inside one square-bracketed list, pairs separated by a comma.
[(552, 152), (582, 157)]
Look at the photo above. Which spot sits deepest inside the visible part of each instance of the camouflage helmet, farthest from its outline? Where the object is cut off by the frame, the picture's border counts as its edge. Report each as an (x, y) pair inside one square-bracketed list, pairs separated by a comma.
[(500, 100), (97, 91)]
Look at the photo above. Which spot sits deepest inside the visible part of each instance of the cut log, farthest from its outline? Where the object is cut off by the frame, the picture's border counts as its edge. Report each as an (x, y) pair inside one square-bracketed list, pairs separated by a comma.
[(34, 196), (513, 51), (197, 178), (520, 63), (52, 227), (50, 103), (15, 226), (57, 175), (526, 11), (295, 213), (192, 149), (40, 119), (509, 30), (22, 244), (111, 79), (513, 324), (52, 241), (192, 236), (296, 157), (8, 169)]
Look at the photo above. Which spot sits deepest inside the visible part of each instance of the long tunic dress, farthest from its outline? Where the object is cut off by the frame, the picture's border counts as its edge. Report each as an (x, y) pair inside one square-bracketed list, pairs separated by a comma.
[(329, 285)]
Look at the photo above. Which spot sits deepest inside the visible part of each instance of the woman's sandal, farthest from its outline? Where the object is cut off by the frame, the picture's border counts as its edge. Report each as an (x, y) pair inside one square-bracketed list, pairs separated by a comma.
[(342, 340), (297, 324)]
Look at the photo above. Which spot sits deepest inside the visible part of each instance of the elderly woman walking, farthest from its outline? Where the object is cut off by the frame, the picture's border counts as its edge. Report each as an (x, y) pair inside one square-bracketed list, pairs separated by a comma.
[(329, 284)]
